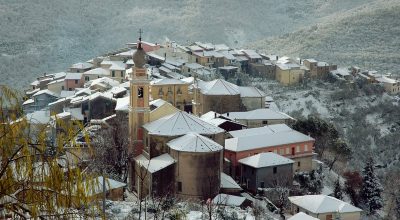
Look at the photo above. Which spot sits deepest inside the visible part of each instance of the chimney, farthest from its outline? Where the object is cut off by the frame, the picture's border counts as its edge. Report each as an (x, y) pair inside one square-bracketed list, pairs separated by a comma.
[(215, 115), (277, 57), (165, 56), (227, 114)]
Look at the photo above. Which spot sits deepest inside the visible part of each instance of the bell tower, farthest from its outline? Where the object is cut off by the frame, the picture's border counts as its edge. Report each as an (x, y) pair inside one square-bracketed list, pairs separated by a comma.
[(139, 111), (139, 100)]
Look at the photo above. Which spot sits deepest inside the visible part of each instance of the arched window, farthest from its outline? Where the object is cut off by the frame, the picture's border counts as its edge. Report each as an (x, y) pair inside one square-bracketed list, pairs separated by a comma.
[(140, 92)]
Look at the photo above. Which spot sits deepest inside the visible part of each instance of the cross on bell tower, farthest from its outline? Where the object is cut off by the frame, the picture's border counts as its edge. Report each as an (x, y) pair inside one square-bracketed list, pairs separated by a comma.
[(140, 38)]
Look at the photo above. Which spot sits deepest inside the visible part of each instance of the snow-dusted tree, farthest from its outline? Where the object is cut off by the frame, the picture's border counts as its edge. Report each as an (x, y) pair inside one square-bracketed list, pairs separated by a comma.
[(110, 149), (33, 183), (371, 189), (337, 192)]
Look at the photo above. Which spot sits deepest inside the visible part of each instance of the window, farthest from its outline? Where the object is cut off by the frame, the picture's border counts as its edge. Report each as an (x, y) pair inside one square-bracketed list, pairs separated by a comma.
[(287, 150), (293, 151), (282, 151), (298, 148), (122, 73), (140, 92), (87, 78), (62, 87), (264, 122), (70, 89), (298, 163), (253, 171), (113, 73), (305, 147), (262, 185), (179, 186), (76, 81), (188, 70), (275, 151), (275, 170)]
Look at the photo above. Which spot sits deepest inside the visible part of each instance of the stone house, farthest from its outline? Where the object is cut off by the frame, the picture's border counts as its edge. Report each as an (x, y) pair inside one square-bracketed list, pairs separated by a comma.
[(266, 170)]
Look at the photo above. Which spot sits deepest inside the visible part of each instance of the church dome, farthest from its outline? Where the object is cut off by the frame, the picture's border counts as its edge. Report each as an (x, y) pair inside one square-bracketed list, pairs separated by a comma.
[(139, 57)]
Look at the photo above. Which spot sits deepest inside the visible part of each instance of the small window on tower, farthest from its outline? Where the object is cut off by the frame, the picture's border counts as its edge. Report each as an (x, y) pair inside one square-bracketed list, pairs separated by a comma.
[(140, 92)]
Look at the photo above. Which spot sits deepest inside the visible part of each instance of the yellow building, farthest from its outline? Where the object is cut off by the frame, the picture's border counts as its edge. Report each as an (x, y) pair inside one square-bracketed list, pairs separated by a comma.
[(289, 73), (173, 91)]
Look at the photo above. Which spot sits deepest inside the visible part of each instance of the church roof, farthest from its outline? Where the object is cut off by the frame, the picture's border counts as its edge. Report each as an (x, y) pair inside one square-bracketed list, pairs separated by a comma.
[(193, 142), (180, 123), (218, 87)]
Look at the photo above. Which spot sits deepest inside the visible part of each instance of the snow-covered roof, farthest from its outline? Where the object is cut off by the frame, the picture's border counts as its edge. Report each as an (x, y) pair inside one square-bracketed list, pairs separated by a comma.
[(258, 114), (128, 53), (287, 66), (157, 103), (385, 79), (167, 81), (193, 142), (268, 129), (228, 55), (265, 160), (59, 75), (114, 64), (227, 182), (29, 101), (250, 91), (194, 66), (165, 69), (73, 76), (218, 87), (81, 65), (252, 54), (311, 60), (122, 104), (341, 71), (195, 48), (45, 91), (117, 90), (180, 123), (252, 142), (221, 47), (322, 64), (55, 81), (98, 71), (97, 186), (228, 200), (156, 163), (104, 82), (156, 56), (302, 216), (322, 204), (38, 117), (65, 93)]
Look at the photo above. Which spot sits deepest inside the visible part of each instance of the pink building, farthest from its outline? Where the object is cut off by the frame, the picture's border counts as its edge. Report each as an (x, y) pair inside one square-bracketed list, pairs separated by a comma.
[(73, 80), (279, 139)]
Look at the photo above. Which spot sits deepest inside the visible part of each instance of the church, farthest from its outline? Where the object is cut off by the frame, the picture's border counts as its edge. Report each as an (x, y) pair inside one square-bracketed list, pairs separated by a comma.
[(177, 154)]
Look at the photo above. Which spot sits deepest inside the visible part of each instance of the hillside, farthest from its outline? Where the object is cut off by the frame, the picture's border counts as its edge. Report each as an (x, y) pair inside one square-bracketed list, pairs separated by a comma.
[(49, 35), (367, 36)]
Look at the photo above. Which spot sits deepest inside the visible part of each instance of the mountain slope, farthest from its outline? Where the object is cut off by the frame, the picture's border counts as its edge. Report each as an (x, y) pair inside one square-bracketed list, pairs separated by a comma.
[(367, 36), (49, 35)]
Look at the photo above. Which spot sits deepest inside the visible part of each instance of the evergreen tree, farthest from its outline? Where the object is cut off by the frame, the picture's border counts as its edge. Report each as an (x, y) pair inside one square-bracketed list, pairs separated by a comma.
[(371, 189), (337, 192), (397, 207)]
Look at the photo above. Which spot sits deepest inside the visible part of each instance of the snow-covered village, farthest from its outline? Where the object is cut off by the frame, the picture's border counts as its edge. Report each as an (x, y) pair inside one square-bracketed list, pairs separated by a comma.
[(200, 110), (171, 131)]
